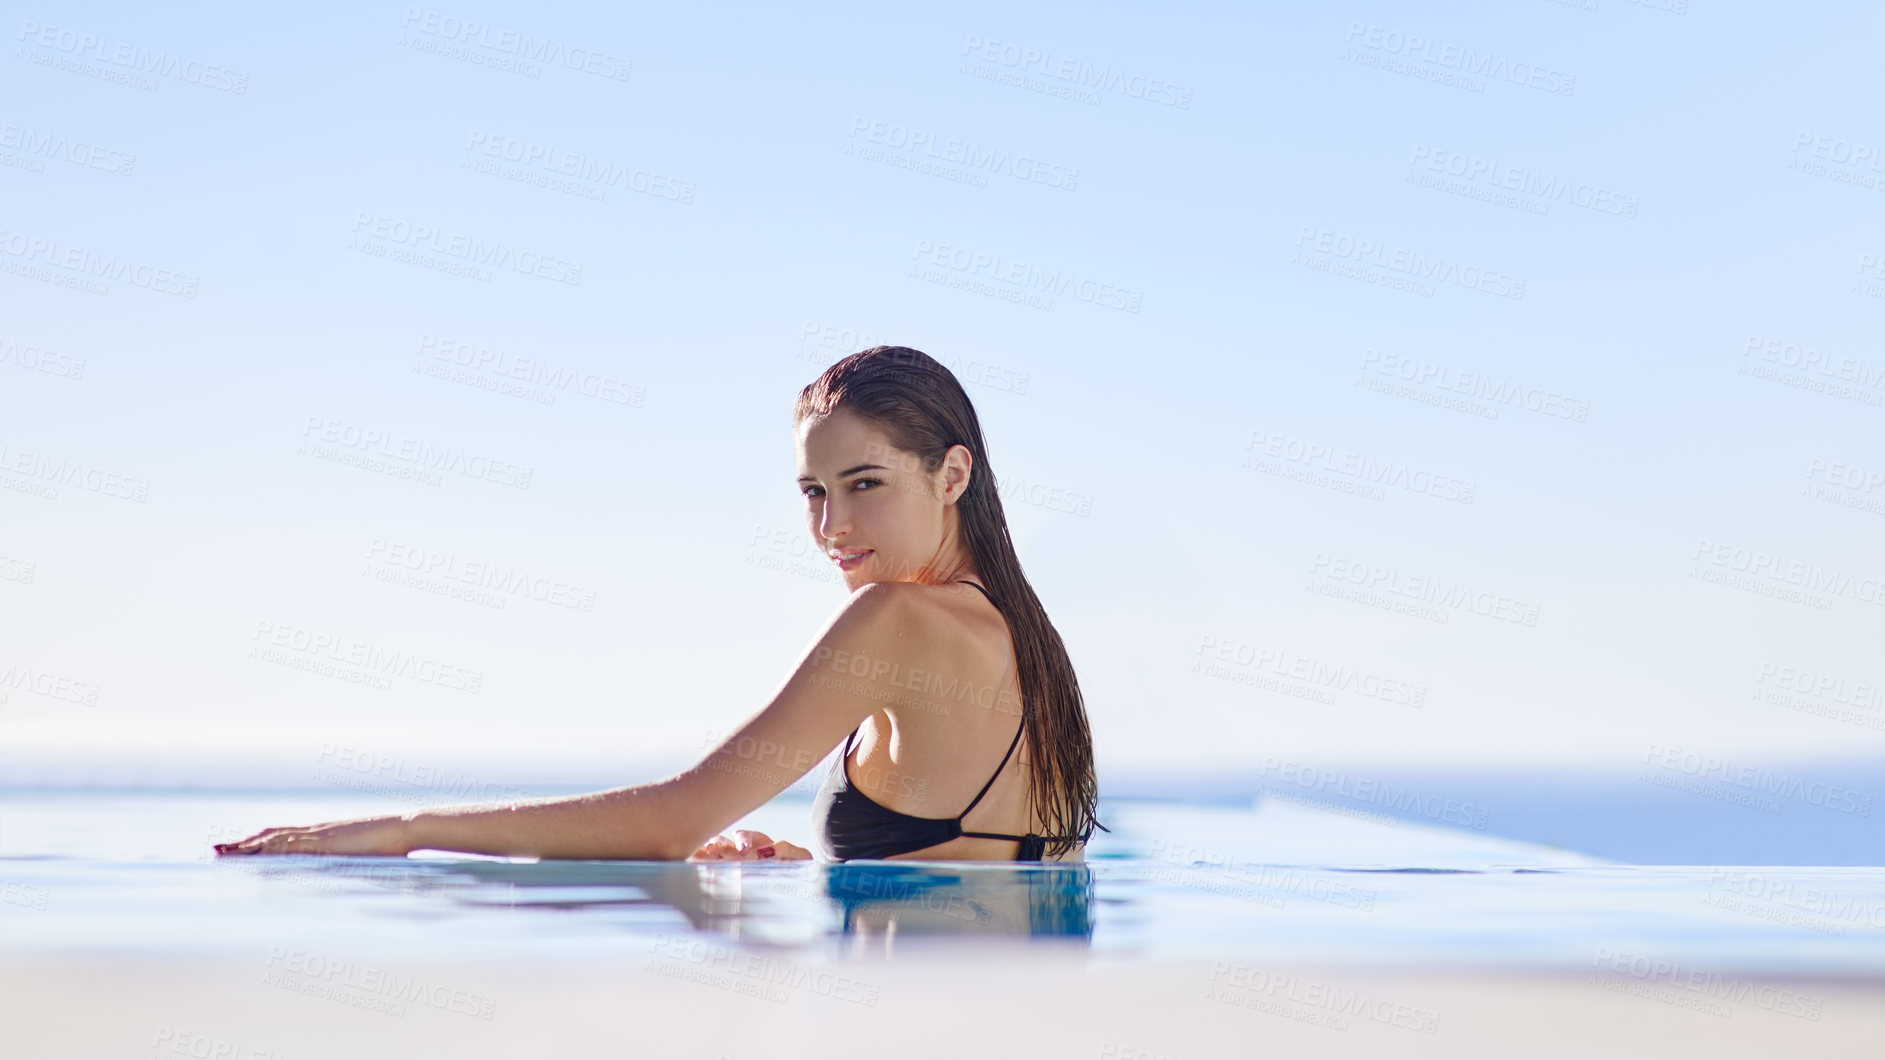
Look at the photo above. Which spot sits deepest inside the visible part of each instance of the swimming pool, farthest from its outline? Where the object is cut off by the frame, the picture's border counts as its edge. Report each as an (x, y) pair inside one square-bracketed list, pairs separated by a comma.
[(1190, 930)]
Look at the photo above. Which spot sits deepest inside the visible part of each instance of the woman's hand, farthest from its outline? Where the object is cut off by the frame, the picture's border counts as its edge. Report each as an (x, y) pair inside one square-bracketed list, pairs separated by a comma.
[(744, 844), (365, 835)]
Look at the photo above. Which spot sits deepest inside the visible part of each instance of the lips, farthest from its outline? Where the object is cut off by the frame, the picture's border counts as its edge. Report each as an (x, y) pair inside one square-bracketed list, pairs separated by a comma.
[(850, 560)]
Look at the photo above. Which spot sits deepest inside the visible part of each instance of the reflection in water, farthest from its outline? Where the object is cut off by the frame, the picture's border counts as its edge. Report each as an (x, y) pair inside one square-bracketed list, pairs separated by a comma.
[(785, 904), (952, 898)]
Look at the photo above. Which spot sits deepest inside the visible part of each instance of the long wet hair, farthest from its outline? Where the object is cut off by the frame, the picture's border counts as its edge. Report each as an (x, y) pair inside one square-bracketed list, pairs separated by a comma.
[(923, 409)]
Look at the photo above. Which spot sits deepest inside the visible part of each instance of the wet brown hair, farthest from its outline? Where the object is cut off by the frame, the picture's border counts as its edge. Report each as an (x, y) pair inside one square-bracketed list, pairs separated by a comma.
[(919, 404)]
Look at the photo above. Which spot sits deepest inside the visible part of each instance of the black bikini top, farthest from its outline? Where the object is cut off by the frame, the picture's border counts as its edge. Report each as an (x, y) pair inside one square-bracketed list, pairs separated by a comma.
[(853, 825)]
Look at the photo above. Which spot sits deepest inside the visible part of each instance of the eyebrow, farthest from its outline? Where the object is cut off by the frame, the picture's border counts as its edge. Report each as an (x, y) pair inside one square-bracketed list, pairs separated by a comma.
[(847, 472)]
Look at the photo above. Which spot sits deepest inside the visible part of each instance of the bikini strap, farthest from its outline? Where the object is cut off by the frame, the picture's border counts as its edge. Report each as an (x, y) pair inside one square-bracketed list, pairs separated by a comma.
[(981, 590), (998, 769), (1017, 732)]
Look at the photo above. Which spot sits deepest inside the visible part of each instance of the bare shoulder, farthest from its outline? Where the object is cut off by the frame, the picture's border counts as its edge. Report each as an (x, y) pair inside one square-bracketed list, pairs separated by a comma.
[(876, 620), (910, 617), (913, 603), (881, 604), (938, 610)]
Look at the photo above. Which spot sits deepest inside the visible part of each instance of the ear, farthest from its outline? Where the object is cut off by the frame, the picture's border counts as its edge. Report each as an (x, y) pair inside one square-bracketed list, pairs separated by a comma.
[(957, 467)]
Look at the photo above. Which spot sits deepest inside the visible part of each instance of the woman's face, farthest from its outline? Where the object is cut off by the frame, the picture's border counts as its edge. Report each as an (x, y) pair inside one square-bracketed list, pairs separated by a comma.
[(871, 509)]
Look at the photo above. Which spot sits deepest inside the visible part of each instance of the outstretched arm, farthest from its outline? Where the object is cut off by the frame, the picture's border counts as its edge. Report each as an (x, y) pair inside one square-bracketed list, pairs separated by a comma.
[(602, 824), (667, 819), (628, 822)]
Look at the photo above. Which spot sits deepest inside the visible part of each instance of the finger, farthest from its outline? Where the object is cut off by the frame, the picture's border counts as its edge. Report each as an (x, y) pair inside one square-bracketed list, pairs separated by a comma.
[(289, 841), (250, 844), (714, 849), (780, 850), (747, 839)]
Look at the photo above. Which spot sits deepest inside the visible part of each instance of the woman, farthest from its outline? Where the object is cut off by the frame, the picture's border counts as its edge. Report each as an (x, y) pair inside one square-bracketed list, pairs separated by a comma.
[(941, 656)]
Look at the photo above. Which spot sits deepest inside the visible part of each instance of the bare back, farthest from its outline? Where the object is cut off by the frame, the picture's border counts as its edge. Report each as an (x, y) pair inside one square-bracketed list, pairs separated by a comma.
[(934, 744)]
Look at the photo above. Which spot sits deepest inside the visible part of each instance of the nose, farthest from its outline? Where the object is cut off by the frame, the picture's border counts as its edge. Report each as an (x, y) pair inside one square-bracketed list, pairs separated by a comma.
[(831, 521)]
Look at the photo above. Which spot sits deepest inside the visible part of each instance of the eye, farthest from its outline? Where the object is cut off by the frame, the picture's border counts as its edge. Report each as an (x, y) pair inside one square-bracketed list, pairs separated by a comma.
[(813, 491)]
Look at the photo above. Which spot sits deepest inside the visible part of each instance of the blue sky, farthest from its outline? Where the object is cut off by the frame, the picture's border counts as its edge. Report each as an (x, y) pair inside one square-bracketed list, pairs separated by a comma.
[(1438, 383)]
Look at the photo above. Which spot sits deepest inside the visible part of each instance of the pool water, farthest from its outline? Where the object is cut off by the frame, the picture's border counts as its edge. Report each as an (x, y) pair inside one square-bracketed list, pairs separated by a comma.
[(95, 883)]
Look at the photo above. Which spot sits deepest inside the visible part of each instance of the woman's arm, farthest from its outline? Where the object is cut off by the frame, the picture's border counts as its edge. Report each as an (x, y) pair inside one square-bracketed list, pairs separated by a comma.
[(602, 824), (620, 823), (667, 819), (599, 825)]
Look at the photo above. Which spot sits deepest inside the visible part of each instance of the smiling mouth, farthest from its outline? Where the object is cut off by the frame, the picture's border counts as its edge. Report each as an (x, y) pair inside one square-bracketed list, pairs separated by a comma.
[(849, 560)]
